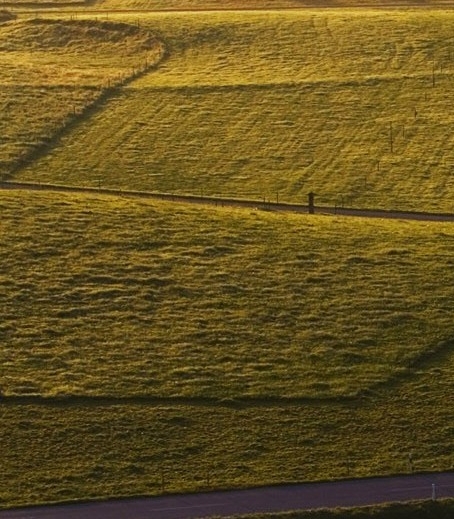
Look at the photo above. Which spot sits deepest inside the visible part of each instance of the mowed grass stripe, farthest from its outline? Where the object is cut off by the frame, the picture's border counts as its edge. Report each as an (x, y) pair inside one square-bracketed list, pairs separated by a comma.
[(264, 143)]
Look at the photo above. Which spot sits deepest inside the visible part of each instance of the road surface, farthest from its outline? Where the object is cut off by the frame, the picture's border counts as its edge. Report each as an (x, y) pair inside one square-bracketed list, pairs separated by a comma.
[(232, 202), (346, 493)]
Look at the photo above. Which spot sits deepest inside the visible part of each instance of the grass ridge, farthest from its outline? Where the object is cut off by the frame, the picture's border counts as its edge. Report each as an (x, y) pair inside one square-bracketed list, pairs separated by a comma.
[(107, 92), (428, 357), (87, 112)]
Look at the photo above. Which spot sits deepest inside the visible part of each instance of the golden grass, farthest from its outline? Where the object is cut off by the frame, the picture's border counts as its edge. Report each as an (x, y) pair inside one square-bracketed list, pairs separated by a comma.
[(128, 298), (110, 296), (198, 4), (354, 105), (262, 4), (52, 71), (78, 53), (209, 347)]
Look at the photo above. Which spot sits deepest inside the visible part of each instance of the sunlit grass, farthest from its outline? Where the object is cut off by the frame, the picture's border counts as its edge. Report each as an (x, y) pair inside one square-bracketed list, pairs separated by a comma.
[(52, 71), (197, 4), (197, 348), (120, 297), (353, 105), (138, 298)]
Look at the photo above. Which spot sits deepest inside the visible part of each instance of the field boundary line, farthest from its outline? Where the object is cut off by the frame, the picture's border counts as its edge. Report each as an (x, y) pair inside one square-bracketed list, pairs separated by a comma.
[(156, 401)]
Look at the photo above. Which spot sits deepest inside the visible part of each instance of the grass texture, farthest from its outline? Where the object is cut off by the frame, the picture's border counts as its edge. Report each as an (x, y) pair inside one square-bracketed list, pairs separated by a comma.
[(52, 71), (183, 302), (260, 4), (353, 105), (150, 348), (181, 347), (198, 4)]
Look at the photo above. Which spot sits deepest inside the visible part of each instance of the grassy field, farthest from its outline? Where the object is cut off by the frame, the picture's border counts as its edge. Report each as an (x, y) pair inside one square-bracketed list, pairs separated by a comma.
[(259, 4), (210, 347), (53, 71), (149, 347), (353, 105), (197, 4), (261, 305)]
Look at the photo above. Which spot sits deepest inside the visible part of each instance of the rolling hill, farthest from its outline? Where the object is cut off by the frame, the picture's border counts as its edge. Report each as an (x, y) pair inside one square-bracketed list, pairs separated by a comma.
[(152, 347), (353, 105)]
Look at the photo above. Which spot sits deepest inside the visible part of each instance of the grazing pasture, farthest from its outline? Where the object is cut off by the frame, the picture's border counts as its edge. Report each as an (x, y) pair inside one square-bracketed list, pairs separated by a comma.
[(55, 70), (198, 4), (353, 105), (149, 347), (186, 347), (260, 4), (132, 299)]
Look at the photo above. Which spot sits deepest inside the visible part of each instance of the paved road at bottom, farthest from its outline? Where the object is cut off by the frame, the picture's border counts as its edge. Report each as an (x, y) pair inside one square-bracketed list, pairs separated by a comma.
[(347, 493)]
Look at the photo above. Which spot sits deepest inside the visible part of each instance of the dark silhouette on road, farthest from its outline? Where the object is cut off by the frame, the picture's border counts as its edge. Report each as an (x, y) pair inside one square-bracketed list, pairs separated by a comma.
[(234, 202)]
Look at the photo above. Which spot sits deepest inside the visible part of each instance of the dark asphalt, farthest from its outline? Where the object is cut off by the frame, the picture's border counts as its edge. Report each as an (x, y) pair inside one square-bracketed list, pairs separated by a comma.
[(347, 493)]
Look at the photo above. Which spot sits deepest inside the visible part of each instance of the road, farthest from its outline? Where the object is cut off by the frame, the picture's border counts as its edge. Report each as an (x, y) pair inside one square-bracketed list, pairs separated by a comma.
[(346, 493), (233, 202)]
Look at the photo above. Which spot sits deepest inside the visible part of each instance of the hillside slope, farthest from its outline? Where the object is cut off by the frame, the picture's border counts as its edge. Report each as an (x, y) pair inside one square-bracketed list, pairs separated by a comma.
[(53, 71), (353, 105), (149, 347)]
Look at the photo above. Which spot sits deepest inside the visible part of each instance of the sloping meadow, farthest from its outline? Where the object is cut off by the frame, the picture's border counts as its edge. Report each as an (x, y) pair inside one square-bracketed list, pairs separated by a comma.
[(53, 71), (117, 297), (197, 4), (151, 348), (353, 105)]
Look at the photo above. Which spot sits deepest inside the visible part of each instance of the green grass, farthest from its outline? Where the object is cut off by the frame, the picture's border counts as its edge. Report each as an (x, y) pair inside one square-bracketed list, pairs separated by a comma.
[(39, 4), (213, 316), (149, 347), (260, 305), (53, 71), (198, 4), (269, 105), (258, 4)]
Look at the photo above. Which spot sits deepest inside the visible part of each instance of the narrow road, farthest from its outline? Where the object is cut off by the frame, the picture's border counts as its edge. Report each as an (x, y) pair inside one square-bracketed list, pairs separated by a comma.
[(348, 493), (234, 202)]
